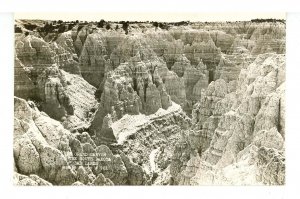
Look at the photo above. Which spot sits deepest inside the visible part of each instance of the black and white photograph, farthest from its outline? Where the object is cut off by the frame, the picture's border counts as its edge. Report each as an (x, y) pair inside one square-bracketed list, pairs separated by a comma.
[(136, 99), (104, 102)]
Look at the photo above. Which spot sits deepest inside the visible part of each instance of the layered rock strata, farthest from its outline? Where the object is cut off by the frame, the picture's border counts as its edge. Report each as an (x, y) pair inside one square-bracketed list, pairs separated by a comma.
[(44, 153), (228, 77), (243, 128), (39, 78)]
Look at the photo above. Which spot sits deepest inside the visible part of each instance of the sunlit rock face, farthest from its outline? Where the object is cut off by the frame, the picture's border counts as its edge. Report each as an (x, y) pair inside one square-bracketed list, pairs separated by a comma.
[(230, 66), (138, 103), (269, 38), (23, 86), (43, 148), (235, 122), (200, 46), (95, 53), (133, 88), (33, 51), (39, 78)]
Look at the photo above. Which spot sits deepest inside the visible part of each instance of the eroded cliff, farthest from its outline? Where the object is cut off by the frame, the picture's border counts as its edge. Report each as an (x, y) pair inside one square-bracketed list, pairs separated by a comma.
[(117, 103), (238, 132)]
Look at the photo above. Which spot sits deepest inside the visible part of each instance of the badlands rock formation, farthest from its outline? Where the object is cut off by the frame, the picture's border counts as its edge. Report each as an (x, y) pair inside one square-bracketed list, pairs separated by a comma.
[(237, 126), (117, 103)]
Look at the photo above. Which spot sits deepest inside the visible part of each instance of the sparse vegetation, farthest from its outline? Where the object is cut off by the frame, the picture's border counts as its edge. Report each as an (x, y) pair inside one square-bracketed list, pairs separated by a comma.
[(125, 26), (107, 26), (18, 29), (101, 23)]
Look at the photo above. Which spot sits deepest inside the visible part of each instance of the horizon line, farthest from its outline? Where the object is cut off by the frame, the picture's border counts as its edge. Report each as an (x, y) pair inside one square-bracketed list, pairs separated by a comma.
[(167, 17)]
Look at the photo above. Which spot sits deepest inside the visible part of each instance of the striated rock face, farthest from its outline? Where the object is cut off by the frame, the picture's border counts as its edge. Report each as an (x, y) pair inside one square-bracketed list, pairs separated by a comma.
[(222, 40), (175, 87), (39, 78), (233, 123), (269, 38), (215, 91), (34, 52), (136, 174), (125, 103), (149, 142), (114, 169), (95, 52), (37, 140), (44, 152), (23, 86), (255, 102), (230, 66), (203, 48), (195, 79), (271, 164), (66, 59), (134, 87)]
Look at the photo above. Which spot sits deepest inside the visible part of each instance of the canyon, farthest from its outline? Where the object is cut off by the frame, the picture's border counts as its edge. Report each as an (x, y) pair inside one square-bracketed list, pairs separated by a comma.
[(141, 103)]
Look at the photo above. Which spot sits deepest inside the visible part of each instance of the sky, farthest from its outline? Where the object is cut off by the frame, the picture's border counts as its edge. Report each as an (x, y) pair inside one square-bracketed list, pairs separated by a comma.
[(165, 17)]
